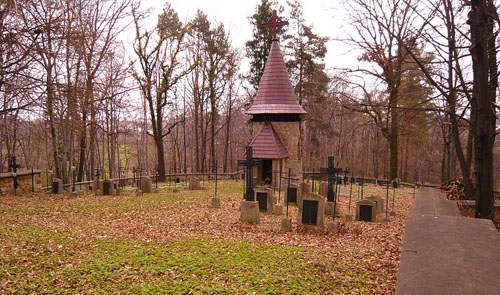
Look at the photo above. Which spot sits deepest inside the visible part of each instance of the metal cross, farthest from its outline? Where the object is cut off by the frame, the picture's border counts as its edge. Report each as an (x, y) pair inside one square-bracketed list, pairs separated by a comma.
[(216, 168), (332, 175), (249, 163), (274, 24), (14, 166)]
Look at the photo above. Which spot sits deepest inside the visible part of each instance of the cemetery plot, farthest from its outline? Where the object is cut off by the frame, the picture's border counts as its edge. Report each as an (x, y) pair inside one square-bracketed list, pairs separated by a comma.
[(174, 243)]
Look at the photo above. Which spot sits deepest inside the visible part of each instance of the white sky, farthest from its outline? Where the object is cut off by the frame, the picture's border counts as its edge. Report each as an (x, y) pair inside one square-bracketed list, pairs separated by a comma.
[(325, 15)]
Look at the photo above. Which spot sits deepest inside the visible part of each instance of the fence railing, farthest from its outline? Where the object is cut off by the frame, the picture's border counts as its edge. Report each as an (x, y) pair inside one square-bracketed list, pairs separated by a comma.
[(170, 178)]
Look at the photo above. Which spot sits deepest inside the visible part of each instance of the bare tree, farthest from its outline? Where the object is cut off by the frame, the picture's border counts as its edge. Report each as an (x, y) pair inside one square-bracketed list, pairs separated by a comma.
[(159, 71), (378, 25)]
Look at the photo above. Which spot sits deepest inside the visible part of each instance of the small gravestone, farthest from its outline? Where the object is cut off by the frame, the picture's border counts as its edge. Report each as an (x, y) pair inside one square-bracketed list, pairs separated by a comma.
[(194, 183), (333, 227), (84, 188), (349, 217), (311, 212), (265, 198), (286, 224), (57, 186), (329, 207), (379, 202), (366, 210), (278, 209), (291, 194), (97, 185), (146, 184), (249, 212), (17, 192), (215, 203), (138, 193), (108, 188)]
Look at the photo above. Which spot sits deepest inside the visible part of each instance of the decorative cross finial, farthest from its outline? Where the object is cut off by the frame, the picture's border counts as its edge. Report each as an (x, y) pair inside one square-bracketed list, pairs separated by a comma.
[(274, 24)]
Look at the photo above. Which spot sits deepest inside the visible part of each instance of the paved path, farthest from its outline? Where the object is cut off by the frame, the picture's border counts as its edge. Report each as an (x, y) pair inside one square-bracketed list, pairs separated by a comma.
[(444, 253)]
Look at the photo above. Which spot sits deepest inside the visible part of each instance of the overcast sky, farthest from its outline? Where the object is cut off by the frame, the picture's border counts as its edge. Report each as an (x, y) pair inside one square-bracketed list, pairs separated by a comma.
[(325, 15)]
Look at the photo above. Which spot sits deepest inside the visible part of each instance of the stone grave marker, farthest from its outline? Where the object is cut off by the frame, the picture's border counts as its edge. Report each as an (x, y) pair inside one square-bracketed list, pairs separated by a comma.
[(366, 210), (311, 213), (57, 186), (265, 197), (97, 186), (379, 202), (194, 183), (215, 202), (249, 207), (108, 187), (329, 208), (146, 184), (292, 194)]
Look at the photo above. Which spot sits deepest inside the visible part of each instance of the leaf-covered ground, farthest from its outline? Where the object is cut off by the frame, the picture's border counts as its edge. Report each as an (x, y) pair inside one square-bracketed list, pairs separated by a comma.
[(173, 243)]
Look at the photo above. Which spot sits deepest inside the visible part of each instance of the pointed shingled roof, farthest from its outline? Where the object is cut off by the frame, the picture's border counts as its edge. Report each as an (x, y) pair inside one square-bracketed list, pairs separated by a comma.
[(267, 144), (275, 94)]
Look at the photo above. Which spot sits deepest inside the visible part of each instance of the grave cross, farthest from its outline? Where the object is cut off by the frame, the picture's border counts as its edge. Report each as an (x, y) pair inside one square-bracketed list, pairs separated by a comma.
[(274, 24), (14, 166), (216, 168), (332, 175), (249, 163)]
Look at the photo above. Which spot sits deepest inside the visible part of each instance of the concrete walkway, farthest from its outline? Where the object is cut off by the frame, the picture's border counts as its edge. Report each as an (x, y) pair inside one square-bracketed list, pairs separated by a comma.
[(444, 253)]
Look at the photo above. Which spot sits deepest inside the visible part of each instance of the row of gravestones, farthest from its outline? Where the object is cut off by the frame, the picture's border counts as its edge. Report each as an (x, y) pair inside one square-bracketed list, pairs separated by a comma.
[(104, 187), (312, 207), (366, 209)]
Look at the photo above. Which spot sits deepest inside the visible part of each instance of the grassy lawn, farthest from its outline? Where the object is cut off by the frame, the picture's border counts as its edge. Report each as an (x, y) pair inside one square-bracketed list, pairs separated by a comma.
[(173, 243)]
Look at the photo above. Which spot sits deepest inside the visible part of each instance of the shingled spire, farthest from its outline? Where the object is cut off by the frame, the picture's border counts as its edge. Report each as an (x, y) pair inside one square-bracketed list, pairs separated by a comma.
[(275, 94)]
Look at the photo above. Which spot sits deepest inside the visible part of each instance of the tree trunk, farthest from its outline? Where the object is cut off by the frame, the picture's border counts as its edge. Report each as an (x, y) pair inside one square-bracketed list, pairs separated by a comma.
[(53, 131), (485, 119)]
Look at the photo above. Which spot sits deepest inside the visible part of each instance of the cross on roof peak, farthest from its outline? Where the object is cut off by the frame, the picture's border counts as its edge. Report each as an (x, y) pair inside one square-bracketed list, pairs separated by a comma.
[(274, 24)]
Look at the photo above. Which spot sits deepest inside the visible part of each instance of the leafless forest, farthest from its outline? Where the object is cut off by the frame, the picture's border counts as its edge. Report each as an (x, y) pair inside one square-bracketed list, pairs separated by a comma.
[(76, 93)]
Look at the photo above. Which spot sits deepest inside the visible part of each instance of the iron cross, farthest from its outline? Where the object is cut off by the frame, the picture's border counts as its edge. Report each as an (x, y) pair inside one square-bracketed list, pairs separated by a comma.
[(249, 163), (14, 166), (332, 173), (274, 24)]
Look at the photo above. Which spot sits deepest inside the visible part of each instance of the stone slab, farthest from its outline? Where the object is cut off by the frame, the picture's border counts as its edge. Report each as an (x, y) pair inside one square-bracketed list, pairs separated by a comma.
[(215, 202), (429, 201), (320, 217), (286, 224), (249, 212), (449, 255), (278, 209), (366, 202), (444, 253), (146, 184)]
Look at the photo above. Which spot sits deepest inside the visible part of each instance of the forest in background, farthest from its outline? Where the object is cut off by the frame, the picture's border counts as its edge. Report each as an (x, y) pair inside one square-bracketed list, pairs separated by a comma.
[(75, 95)]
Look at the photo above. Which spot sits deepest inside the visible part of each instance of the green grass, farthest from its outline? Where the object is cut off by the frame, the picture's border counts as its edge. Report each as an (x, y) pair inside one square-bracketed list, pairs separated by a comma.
[(172, 243), (35, 259)]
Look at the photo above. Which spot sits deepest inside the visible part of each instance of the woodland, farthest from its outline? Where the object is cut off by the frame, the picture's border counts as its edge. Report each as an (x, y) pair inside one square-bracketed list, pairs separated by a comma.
[(420, 105)]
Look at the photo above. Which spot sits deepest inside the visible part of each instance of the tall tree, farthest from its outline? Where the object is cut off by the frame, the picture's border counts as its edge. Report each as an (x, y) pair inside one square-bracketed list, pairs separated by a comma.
[(306, 51), (378, 25), (483, 52), (305, 62), (159, 70)]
